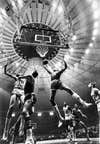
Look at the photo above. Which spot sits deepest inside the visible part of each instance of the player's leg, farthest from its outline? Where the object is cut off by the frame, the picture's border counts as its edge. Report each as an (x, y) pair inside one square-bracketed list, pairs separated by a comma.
[(85, 127), (75, 124), (27, 111), (21, 127), (8, 116), (55, 106), (75, 95), (28, 123), (14, 131), (70, 128)]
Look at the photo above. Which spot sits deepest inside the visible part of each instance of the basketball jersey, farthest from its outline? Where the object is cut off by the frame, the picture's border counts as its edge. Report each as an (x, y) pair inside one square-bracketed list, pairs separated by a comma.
[(68, 114), (18, 88), (95, 94)]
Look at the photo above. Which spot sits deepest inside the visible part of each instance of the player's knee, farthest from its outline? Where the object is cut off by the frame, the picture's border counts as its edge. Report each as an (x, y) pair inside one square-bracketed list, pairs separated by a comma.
[(10, 111), (52, 102), (69, 91), (24, 112), (76, 96), (63, 87)]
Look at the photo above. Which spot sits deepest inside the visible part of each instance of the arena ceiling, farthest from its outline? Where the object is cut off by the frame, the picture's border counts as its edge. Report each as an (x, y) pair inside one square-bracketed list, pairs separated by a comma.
[(72, 22)]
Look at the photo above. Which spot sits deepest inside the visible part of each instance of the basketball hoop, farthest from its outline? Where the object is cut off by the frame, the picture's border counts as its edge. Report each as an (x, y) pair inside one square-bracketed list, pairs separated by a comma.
[(42, 50)]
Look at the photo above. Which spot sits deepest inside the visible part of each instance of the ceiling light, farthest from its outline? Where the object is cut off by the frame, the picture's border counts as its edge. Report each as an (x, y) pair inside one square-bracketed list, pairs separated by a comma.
[(90, 0), (87, 51), (95, 32), (54, 5), (71, 50), (58, 64), (91, 44), (3, 12), (96, 24), (17, 64), (39, 114), (60, 9), (51, 113), (66, 57), (96, 14), (1, 19), (74, 37), (93, 38), (20, 3), (94, 5), (13, 4), (1, 43), (1, 65)]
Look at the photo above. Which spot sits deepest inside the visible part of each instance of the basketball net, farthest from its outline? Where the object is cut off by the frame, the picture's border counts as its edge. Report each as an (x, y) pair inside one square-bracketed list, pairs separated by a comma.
[(42, 50)]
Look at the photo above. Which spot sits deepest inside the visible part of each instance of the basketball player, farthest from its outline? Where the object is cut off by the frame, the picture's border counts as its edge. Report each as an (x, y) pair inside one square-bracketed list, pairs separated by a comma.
[(16, 100), (78, 115), (67, 120), (28, 107), (57, 84), (95, 92)]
